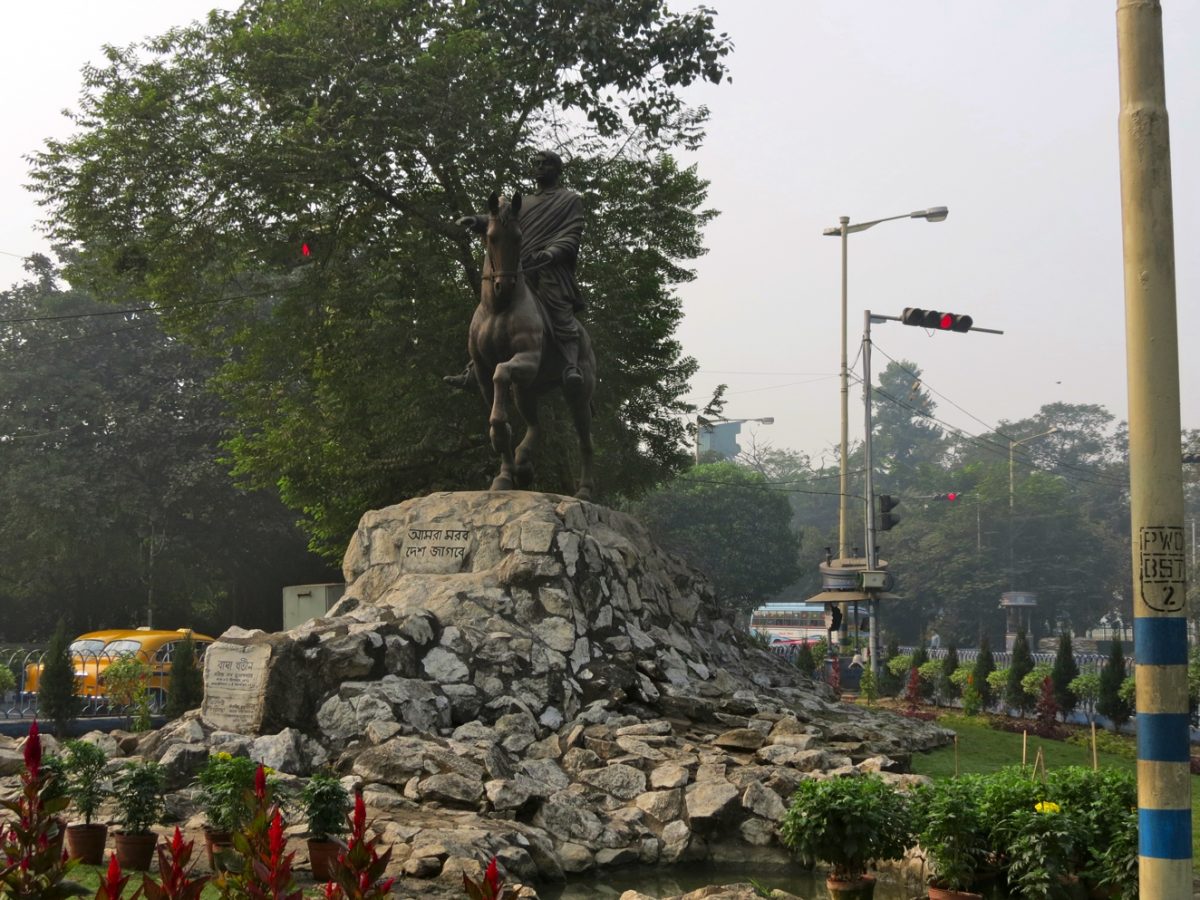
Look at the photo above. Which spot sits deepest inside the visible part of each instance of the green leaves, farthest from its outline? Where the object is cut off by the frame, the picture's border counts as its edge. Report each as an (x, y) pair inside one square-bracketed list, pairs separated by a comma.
[(847, 823)]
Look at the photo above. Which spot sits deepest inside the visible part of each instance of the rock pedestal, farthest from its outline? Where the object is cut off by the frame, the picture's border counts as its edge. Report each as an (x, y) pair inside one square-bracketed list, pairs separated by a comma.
[(463, 607), (527, 676)]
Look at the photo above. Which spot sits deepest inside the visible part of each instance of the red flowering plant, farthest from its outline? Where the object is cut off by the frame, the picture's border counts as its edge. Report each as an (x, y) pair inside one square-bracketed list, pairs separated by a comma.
[(491, 887), (175, 869), (358, 871), (112, 886), (34, 864), (265, 872)]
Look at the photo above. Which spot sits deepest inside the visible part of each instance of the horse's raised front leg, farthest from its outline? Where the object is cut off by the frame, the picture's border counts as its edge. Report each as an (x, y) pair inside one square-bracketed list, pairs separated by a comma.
[(520, 369)]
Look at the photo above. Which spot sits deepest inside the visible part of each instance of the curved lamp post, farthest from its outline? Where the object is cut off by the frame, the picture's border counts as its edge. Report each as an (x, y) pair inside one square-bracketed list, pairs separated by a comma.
[(843, 230)]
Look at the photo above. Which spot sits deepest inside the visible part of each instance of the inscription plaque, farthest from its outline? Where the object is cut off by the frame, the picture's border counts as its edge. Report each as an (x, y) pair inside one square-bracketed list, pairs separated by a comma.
[(235, 683), (434, 549)]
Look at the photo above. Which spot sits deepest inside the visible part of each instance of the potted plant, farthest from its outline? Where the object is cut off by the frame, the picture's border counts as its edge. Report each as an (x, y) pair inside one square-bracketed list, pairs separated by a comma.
[(952, 831), (227, 797), (326, 803), (85, 786), (847, 823), (138, 789)]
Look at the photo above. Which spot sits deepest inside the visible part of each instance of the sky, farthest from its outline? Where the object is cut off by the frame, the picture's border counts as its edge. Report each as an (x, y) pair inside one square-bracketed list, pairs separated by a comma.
[(1006, 113)]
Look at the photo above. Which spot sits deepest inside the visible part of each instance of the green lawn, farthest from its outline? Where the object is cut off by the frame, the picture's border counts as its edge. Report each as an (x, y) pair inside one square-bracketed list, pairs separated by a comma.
[(982, 749)]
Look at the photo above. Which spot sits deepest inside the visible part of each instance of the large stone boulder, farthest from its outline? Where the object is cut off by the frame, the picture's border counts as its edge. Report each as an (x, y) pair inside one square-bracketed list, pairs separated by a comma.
[(479, 606)]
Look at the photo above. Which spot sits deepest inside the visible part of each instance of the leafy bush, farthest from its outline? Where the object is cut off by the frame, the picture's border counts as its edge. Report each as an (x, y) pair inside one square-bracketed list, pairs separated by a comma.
[(138, 790), (326, 803), (867, 686), (996, 681), (847, 823), (899, 665), (1031, 684), (227, 791), (952, 831), (1110, 704), (85, 786), (1086, 689), (1021, 664), (985, 664), (126, 680), (804, 660), (1064, 672), (185, 690), (1106, 742), (8, 681), (56, 684)]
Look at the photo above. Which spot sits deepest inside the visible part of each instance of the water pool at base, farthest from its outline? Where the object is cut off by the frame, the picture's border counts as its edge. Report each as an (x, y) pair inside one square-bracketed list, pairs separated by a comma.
[(672, 882)]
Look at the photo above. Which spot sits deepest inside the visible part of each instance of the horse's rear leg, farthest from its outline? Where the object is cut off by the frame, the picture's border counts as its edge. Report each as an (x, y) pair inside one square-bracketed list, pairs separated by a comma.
[(581, 411)]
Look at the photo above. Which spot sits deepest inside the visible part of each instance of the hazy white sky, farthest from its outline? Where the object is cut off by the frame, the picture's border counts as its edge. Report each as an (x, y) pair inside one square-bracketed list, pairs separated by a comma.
[(1004, 112)]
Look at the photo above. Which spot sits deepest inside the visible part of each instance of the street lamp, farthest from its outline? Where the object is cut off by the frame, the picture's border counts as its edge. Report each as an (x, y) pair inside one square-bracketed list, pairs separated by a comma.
[(843, 230), (703, 423)]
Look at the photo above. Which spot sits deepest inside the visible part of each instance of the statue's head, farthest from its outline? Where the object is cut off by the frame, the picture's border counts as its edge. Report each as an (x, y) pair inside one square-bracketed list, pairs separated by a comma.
[(547, 167)]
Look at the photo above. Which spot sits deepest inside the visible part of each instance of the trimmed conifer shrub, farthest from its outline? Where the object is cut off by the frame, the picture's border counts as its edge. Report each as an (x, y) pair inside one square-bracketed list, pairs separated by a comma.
[(56, 684)]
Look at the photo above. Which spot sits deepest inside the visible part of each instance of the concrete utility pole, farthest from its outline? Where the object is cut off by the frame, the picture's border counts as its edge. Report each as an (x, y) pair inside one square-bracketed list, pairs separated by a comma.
[(1155, 472)]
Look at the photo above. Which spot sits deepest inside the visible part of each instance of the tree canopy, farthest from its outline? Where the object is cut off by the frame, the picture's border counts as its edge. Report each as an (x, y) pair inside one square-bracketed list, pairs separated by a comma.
[(727, 521), (203, 160), (117, 506)]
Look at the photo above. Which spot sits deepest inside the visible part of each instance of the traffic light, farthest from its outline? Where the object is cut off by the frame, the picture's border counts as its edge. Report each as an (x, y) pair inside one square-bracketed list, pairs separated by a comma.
[(951, 496), (931, 318), (887, 518)]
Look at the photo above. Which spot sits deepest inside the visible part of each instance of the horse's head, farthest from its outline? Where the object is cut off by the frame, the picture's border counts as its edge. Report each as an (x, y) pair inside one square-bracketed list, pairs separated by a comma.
[(502, 246)]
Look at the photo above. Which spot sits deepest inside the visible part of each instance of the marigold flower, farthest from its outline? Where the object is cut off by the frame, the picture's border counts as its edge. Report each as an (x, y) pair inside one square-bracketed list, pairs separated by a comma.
[(1048, 806)]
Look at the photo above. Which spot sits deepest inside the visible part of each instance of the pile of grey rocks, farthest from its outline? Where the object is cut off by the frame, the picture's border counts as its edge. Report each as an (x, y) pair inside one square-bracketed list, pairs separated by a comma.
[(527, 676)]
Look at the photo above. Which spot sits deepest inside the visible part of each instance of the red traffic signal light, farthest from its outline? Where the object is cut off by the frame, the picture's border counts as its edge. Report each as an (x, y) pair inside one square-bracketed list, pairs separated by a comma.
[(951, 496), (931, 318)]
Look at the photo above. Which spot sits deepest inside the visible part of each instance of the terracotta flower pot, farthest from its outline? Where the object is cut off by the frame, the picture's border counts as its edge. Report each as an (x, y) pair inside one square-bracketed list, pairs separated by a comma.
[(135, 852), (321, 856), (216, 843), (86, 843), (937, 893), (861, 888)]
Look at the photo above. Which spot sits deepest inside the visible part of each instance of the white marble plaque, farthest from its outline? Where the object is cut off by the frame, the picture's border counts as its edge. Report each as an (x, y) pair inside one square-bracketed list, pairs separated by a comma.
[(438, 549), (235, 685)]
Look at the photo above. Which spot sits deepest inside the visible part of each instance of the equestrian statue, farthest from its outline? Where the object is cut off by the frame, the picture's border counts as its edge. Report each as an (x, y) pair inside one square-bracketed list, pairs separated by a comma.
[(524, 335)]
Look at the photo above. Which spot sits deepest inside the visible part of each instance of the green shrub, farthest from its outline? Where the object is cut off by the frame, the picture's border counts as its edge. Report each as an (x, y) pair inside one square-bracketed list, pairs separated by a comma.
[(56, 684), (804, 660), (138, 790), (985, 664), (899, 665), (325, 803), (185, 690), (1031, 684), (1064, 672), (126, 681), (85, 769), (227, 791), (952, 831), (8, 681), (1110, 704), (867, 686), (1086, 689), (1020, 666), (847, 823)]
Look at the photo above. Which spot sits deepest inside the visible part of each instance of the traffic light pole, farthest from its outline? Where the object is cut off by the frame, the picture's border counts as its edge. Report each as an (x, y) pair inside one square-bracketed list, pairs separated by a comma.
[(872, 560), (1155, 473)]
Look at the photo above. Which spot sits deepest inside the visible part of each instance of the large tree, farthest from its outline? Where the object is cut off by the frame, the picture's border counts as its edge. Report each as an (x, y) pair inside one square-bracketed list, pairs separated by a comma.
[(731, 524), (116, 505), (203, 160)]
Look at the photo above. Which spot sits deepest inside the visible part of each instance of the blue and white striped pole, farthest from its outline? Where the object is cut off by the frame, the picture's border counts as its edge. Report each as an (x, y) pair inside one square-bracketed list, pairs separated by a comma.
[(1155, 463)]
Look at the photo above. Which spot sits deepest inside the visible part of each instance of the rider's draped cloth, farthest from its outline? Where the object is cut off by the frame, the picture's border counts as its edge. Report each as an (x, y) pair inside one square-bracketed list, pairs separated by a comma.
[(552, 220)]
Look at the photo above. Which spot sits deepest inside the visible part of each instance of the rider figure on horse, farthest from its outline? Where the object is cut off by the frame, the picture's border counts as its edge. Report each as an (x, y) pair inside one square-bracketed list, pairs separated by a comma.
[(551, 221)]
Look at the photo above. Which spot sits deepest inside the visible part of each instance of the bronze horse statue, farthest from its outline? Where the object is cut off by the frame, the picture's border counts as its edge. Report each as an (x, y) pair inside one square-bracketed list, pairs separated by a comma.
[(512, 345)]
